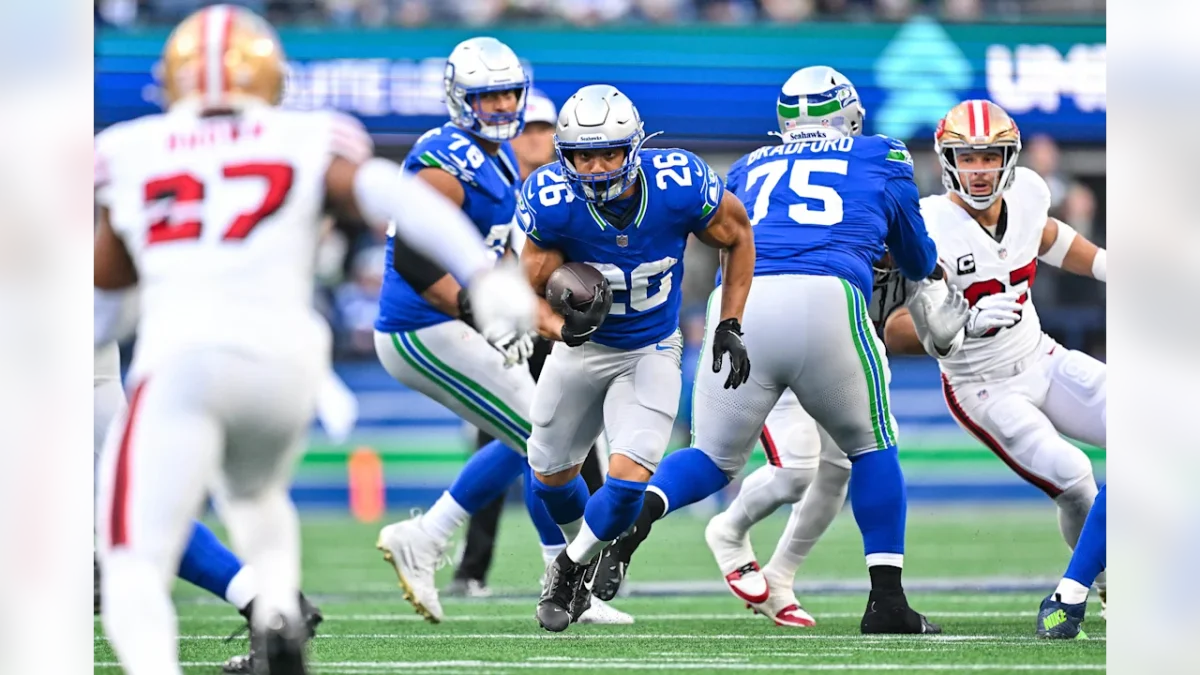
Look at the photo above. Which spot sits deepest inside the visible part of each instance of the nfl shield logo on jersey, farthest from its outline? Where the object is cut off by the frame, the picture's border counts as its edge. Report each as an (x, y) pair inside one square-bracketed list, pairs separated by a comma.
[(1003, 253), (622, 240)]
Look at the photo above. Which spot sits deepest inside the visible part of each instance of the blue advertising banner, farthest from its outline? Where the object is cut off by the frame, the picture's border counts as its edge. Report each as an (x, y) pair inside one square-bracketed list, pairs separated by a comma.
[(698, 82)]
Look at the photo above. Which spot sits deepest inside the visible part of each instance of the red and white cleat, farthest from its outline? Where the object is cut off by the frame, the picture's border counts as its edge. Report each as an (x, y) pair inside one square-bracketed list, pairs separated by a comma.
[(784, 609), (735, 558)]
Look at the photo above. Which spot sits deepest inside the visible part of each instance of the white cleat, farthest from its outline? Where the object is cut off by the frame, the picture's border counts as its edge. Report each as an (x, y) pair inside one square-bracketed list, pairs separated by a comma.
[(603, 614), (784, 609), (735, 558), (415, 556)]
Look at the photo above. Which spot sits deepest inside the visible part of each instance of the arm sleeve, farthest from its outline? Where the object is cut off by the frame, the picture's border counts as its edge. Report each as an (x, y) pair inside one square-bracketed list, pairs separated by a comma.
[(907, 240), (417, 270), (422, 217)]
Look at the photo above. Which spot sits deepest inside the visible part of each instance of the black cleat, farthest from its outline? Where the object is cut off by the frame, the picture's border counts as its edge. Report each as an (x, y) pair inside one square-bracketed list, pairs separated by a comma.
[(888, 613), (244, 664), (564, 595), (611, 567), (96, 586), (279, 650)]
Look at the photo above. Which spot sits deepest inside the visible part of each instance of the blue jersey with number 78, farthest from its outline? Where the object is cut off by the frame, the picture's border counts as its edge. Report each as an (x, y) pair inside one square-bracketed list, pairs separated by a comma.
[(677, 194), (827, 206)]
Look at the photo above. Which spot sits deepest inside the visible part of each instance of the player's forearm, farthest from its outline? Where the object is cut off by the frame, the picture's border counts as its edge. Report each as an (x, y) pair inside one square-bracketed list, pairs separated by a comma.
[(737, 274), (1087, 260), (550, 323), (443, 295), (900, 334)]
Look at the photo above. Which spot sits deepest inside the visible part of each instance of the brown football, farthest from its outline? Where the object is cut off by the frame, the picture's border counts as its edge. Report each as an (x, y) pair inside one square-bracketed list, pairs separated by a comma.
[(580, 279)]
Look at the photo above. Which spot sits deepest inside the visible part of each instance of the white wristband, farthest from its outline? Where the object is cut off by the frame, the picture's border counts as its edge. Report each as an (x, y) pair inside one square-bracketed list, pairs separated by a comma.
[(1100, 266), (1062, 243)]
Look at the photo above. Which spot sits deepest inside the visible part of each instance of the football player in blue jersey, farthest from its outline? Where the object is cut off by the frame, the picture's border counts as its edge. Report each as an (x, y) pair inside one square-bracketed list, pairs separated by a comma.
[(824, 203), (425, 336), (1062, 612), (627, 211)]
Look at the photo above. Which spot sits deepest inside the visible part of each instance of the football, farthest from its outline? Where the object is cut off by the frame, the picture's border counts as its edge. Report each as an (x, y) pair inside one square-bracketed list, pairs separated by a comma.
[(580, 279)]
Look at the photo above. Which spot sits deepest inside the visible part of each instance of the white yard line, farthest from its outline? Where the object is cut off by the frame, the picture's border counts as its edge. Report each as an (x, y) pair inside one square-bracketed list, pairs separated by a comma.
[(665, 636), (712, 664), (731, 616)]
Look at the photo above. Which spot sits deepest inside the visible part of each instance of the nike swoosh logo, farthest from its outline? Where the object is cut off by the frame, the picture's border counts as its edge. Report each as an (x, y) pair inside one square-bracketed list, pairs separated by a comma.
[(662, 348)]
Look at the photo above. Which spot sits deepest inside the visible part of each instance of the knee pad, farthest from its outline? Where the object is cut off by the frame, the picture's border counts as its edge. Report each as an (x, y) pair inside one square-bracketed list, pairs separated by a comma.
[(1085, 377), (790, 484), (731, 465), (1073, 471), (1015, 419)]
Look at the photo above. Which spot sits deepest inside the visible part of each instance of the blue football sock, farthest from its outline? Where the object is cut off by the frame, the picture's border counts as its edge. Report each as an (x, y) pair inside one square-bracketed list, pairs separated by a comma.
[(687, 476), (1091, 551), (565, 503), (486, 476), (879, 498), (548, 530), (207, 563), (614, 507)]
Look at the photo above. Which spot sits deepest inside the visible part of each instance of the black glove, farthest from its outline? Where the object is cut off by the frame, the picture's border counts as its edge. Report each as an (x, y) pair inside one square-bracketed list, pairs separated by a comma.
[(465, 314), (579, 324), (728, 338)]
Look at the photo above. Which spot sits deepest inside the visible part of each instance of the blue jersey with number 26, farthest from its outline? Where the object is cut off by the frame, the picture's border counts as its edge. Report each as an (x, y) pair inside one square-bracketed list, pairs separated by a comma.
[(677, 195), (827, 207)]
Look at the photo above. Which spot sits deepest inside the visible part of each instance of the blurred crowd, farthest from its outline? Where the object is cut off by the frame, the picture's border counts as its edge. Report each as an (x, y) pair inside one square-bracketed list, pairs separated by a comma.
[(592, 12)]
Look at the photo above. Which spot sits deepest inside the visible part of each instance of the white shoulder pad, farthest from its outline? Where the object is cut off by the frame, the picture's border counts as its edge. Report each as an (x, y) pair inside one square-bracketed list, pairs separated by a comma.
[(1029, 184)]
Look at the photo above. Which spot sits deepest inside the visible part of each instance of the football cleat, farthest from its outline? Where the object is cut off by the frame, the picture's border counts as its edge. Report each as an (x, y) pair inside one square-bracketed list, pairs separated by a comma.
[(1103, 592), (564, 597), (611, 567), (735, 559), (415, 556), (603, 614), (782, 607), (244, 664), (1057, 620), (96, 604), (280, 648), (888, 613)]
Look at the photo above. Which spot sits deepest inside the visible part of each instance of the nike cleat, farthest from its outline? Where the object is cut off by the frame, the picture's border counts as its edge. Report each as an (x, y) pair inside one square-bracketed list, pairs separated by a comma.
[(564, 597), (735, 559), (245, 664), (888, 613), (1057, 620), (415, 556)]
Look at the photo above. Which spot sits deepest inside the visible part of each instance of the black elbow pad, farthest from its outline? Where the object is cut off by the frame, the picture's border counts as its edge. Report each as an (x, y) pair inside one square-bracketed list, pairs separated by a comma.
[(417, 270)]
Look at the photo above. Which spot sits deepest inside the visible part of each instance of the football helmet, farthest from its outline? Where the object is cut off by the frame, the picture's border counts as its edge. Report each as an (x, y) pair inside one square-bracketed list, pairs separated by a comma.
[(598, 117), (815, 101), (477, 66), (222, 56), (971, 126)]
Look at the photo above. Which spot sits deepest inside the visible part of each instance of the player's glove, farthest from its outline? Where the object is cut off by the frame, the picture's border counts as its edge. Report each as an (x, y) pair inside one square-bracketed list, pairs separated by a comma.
[(728, 338), (519, 351), (502, 306), (993, 312), (939, 313), (579, 324), (465, 314)]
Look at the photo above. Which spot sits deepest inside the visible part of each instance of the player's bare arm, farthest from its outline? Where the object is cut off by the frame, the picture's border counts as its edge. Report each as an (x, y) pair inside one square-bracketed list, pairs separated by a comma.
[(539, 264), (114, 278), (730, 231), (445, 292), (900, 335), (1065, 248)]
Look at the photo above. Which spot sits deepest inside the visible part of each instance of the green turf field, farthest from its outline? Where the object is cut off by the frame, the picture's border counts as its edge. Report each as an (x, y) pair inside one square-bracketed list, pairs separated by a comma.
[(979, 571)]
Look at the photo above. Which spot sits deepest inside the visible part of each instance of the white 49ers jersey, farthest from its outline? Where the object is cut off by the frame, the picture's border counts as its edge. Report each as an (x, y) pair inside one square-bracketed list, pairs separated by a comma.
[(980, 265), (221, 216)]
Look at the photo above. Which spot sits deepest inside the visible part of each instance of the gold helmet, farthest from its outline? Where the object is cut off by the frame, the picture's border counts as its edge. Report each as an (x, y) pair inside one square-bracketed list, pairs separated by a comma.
[(972, 126), (223, 57)]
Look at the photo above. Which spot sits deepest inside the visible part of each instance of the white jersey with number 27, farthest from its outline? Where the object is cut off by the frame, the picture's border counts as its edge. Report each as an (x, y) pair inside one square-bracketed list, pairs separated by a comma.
[(221, 216), (980, 265)]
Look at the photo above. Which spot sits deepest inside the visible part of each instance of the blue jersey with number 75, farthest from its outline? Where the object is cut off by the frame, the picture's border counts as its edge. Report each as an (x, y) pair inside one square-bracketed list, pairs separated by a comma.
[(827, 206), (676, 195)]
